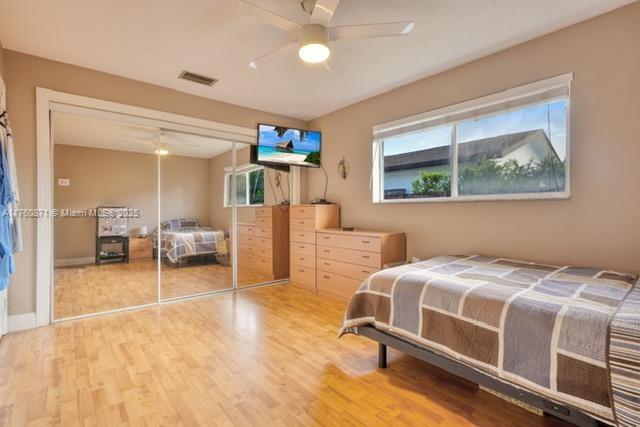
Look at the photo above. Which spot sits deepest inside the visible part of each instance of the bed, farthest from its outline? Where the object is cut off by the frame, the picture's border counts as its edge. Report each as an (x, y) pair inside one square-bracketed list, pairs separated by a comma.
[(563, 339), (184, 238)]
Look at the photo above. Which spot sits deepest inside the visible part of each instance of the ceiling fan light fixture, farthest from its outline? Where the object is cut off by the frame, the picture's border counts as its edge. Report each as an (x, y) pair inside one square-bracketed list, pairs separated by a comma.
[(314, 53), (314, 44)]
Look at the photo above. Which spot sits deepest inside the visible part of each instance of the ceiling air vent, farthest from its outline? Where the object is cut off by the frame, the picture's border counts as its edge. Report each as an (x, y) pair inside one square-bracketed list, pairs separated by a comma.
[(197, 78)]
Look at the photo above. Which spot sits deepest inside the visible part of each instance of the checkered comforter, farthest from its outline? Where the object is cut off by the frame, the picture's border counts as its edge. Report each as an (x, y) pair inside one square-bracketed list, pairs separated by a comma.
[(544, 328), (189, 241)]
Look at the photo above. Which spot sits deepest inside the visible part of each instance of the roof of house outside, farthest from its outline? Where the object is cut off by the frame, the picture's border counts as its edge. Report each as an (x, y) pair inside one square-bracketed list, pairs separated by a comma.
[(468, 152)]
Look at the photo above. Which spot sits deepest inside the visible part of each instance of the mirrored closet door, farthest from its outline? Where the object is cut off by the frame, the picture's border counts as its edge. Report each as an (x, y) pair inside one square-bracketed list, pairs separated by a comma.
[(105, 194), (147, 214), (261, 194), (194, 229)]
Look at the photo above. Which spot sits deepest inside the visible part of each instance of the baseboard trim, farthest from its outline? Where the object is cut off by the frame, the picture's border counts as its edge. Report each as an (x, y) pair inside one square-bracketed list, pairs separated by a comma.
[(21, 322), (68, 262)]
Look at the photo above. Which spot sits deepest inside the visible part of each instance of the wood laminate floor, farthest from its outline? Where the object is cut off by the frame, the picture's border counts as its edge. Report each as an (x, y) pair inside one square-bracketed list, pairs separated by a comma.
[(260, 356), (93, 288)]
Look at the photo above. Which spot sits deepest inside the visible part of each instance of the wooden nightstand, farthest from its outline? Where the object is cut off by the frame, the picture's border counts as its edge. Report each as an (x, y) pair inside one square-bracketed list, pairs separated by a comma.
[(140, 248)]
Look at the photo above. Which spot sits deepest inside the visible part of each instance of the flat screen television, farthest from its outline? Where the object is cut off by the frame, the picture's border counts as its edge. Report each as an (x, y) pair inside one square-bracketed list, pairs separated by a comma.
[(279, 145)]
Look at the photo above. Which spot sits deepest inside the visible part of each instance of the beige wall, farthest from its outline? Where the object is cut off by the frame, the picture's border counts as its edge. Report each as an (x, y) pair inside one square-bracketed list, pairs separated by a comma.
[(119, 178), (23, 73), (1, 60), (599, 225), (219, 216)]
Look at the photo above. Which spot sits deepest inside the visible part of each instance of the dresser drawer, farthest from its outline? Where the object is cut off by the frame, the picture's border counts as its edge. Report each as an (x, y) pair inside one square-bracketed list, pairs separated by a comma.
[(304, 224), (262, 231), (303, 276), (263, 221), (303, 236), (337, 285), (303, 249), (353, 271), (246, 229), (264, 212), (140, 252), (263, 242), (303, 212), (351, 256), (256, 250), (360, 243), (303, 260), (253, 262)]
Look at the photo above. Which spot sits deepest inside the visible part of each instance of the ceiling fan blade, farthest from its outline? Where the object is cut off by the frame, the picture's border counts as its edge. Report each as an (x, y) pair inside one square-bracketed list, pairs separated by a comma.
[(268, 16), (323, 12), (279, 50), (392, 29)]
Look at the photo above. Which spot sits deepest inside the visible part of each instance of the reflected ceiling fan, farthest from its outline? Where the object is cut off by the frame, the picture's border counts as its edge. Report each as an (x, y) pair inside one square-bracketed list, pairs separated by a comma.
[(313, 38)]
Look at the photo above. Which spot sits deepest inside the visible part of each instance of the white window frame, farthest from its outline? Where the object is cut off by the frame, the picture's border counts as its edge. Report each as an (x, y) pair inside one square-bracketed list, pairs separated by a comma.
[(245, 169), (476, 108)]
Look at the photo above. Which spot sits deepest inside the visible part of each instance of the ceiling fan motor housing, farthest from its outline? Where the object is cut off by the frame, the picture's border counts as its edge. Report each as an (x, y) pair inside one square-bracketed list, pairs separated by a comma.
[(313, 33)]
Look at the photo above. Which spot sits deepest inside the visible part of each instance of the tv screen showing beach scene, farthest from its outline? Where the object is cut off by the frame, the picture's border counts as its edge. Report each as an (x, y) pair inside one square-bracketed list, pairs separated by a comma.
[(283, 145)]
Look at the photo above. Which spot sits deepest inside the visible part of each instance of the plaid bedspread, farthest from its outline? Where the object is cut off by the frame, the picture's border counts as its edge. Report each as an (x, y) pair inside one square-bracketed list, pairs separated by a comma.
[(624, 361), (189, 241), (541, 327)]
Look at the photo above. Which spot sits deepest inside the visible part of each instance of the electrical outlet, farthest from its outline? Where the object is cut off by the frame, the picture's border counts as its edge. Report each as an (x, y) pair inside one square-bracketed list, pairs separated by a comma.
[(64, 182)]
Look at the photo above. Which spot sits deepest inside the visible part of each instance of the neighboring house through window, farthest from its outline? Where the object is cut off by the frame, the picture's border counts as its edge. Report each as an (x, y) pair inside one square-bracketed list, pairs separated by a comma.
[(249, 186), (513, 144)]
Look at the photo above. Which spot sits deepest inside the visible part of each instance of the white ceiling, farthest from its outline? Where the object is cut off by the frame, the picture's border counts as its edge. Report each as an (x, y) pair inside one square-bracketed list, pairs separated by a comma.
[(71, 129), (154, 40)]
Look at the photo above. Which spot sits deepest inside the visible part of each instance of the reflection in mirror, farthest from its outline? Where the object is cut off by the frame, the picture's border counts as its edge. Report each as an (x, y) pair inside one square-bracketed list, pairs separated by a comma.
[(192, 246), (262, 219), (99, 263)]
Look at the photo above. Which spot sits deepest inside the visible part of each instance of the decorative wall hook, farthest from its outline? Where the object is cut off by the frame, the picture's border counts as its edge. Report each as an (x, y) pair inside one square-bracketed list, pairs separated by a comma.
[(343, 168)]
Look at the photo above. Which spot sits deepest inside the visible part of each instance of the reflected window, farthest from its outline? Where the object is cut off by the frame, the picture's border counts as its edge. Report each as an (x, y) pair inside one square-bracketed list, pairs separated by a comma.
[(249, 186)]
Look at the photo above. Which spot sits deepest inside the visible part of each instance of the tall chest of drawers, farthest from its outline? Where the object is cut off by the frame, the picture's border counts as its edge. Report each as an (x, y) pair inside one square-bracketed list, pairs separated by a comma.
[(346, 258), (263, 246), (304, 222)]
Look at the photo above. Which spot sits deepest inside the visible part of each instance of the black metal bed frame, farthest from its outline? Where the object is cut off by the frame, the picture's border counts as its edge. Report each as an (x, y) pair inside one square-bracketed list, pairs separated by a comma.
[(566, 413)]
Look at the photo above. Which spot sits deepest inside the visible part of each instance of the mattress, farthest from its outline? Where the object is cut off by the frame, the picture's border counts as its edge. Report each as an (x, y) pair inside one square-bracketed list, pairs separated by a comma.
[(545, 328)]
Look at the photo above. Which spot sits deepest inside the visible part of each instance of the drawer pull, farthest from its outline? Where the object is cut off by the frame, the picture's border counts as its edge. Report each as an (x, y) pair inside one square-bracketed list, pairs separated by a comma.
[(326, 237), (301, 258), (326, 250), (366, 272), (326, 277), (326, 263), (301, 270), (366, 241), (366, 256)]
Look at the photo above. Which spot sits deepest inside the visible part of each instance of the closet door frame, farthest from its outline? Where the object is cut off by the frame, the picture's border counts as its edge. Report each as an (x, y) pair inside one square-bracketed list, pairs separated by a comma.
[(48, 101)]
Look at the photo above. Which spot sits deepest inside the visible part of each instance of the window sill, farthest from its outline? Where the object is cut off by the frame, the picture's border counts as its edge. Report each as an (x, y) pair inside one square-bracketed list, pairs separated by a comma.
[(245, 206), (481, 198)]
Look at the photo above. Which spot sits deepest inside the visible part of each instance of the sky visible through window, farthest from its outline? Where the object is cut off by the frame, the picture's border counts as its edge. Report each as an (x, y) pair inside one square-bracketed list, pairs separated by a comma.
[(551, 117)]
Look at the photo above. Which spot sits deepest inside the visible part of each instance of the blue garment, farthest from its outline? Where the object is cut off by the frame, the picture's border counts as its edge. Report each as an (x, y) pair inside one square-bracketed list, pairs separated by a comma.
[(6, 240)]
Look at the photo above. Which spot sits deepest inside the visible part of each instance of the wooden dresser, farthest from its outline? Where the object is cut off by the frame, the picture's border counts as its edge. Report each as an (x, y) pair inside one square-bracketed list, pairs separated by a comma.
[(346, 258), (305, 220), (263, 246)]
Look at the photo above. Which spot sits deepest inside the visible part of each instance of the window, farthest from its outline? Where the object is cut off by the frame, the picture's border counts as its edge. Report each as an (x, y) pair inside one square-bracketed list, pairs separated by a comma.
[(249, 186), (511, 145)]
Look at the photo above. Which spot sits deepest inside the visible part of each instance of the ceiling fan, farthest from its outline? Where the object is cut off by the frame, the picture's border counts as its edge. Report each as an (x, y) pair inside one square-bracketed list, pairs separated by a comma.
[(313, 38)]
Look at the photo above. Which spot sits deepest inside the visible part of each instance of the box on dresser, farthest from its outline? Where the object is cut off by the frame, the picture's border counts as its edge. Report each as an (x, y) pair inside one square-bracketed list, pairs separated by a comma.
[(346, 258), (263, 245), (304, 221)]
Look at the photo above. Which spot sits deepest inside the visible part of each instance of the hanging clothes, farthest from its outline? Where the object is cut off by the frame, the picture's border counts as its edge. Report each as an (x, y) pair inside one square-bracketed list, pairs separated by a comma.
[(6, 240), (16, 225)]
